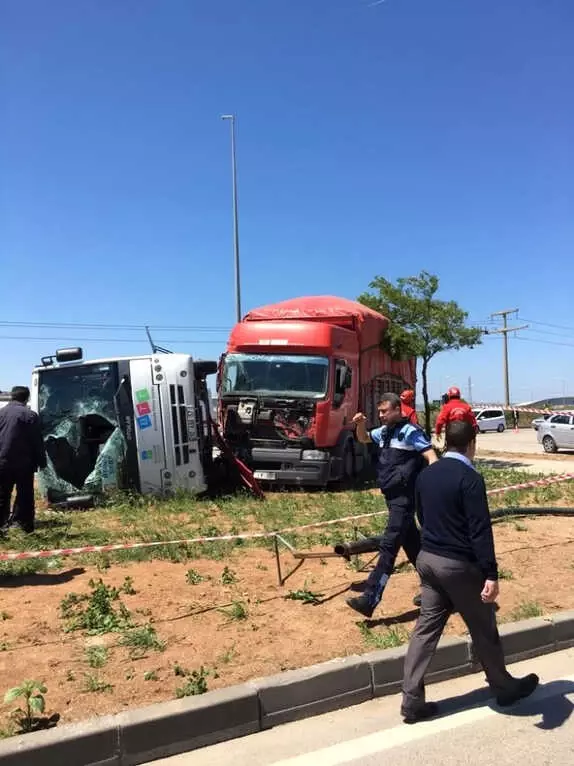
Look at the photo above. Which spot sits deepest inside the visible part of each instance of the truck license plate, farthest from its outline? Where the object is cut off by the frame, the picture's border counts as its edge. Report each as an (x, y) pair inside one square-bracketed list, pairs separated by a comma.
[(265, 475)]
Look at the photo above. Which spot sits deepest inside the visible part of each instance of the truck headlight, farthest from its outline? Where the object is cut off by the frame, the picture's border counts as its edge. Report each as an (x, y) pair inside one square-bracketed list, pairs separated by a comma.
[(314, 454)]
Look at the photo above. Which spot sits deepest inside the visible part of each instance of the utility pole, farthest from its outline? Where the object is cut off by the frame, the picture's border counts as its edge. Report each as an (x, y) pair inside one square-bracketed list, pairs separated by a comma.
[(469, 390), (504, 330), (231, 119)]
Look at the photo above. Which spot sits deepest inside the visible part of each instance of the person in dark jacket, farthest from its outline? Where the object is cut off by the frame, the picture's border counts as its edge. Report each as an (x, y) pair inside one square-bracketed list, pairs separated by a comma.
[(458, 571), (22, 453), (403, 451)]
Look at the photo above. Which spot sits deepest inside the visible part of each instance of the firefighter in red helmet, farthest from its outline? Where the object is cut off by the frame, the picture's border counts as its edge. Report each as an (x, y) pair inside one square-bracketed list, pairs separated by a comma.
[(454, 409), (408, 407)]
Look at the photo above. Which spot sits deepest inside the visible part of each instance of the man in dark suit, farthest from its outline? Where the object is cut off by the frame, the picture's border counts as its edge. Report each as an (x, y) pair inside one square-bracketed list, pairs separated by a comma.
[(21, 454), (458, 571)]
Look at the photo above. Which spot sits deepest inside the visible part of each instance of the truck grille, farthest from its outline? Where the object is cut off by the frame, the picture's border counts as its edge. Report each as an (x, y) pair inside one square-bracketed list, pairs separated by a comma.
[(182, 423)]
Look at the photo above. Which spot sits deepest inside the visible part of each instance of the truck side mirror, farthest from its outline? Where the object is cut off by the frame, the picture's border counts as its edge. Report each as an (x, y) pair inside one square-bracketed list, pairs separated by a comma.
[(348, 378), (204, 368), (219, 372)]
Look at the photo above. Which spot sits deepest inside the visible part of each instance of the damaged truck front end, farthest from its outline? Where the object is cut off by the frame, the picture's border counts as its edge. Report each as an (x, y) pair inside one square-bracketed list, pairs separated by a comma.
[(270, 411), (138, 424)]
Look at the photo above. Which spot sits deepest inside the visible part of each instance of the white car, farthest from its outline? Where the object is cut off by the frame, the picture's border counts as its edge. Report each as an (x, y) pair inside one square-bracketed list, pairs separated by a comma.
[(490, 420), (537, 422), (557, 433)]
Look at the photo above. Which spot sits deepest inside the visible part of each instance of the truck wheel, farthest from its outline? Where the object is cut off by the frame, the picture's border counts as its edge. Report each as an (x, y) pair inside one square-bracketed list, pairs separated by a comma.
[(348, 462), (549, 444)]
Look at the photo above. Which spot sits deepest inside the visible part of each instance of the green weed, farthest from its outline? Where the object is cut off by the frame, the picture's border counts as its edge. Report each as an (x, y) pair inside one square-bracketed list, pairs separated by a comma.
[(97, 656), (193, 577), (237, 611), (95, 612), (305, 595), (525, 610), (95, 684), (386, 639), (227, 656), (128, 587), (34, 703), (228, 576), (151, 675), (180, 671), (505, 574), (140, 640), (195, 683)]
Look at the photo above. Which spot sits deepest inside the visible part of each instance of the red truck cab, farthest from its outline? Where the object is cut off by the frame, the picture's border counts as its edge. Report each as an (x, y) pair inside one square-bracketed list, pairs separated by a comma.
[(292, 378)]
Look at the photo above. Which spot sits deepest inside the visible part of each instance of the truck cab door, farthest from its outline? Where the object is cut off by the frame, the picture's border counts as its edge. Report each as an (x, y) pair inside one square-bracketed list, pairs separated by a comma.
[(343, 380)]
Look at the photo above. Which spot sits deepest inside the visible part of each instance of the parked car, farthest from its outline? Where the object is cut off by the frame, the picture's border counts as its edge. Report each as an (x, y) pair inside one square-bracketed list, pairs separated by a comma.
[(537, 422), (490, 420), (556, 433)]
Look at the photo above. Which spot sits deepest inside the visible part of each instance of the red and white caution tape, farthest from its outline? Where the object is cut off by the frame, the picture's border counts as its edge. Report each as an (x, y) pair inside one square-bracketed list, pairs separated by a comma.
[(190, 541), (532, 410), (19, 556), (538, 483)]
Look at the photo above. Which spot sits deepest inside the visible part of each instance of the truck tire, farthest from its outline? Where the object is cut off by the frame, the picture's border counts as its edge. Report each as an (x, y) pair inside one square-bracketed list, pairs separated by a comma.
[(349, 470)]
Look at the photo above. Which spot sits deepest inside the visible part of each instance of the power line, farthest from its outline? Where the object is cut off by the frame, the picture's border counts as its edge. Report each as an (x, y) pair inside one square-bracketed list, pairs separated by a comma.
[(549, 332), (139, 328), (59, 339), (546, 342), (547, 324)]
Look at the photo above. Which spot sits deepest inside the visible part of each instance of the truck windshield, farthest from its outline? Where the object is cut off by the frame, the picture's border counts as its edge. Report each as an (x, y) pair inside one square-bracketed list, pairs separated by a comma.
[(84, 443), (293, 375)]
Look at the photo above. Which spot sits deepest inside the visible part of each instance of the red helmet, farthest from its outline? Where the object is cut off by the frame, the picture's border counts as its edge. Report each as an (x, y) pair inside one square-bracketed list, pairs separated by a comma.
[(408, 397), (453, 392)]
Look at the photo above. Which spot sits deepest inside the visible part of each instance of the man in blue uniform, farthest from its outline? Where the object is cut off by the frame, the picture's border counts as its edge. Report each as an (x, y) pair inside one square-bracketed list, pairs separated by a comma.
[(404, 450)]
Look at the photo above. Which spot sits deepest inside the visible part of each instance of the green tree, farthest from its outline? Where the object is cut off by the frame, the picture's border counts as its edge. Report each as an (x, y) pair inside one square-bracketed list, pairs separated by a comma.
[(421, 325)]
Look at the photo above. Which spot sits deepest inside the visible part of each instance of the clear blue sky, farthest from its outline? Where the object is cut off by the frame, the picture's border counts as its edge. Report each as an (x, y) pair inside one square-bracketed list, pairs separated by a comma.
[(372, 139)]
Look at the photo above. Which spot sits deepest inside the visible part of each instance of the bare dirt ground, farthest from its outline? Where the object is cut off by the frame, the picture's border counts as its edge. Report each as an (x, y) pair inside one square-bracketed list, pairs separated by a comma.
[(246, 628)]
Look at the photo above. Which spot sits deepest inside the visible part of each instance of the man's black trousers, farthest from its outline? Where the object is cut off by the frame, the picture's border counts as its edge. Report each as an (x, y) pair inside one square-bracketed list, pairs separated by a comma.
[(401, 531), (23, 513)]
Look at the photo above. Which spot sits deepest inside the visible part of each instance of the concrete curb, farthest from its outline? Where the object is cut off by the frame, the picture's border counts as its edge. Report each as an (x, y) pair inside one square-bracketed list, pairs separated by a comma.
[(169, 728)]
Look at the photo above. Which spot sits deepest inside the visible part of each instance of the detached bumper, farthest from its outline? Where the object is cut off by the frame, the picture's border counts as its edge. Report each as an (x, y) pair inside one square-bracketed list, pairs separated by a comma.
[(286, 466)]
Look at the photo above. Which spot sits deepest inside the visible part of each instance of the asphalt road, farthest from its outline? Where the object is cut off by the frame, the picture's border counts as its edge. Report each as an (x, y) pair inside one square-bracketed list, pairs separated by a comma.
[(522, 451), (524, 441), (536, 732)]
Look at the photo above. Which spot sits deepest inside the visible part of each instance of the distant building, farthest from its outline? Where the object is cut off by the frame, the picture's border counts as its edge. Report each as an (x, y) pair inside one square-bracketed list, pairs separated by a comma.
[(4, 399)]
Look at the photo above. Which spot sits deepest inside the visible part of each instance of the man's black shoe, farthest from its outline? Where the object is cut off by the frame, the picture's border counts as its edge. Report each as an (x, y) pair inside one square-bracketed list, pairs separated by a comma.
[(16, 525), (422, 713), (523, 688), (342, 549), (417, 600), (363, 605)]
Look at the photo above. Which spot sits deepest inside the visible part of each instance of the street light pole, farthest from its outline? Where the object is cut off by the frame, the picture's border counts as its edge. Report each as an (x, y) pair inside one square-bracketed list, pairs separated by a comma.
[(231, 118)]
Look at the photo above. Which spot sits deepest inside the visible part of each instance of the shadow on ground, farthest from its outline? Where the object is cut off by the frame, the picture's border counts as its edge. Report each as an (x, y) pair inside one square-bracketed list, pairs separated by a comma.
[(550, 701), (17, 581)]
